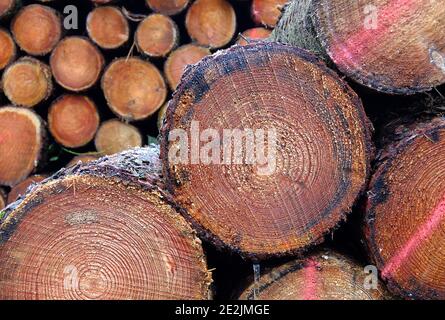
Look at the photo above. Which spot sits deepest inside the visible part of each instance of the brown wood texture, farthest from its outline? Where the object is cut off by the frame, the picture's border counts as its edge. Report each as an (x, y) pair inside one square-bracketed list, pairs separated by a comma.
[(22, 138), (8, 52), (167, 7), (253, 34), (115, 136), (267, 12), (101, 231), (322, 149), (21, 188), (405, 212)]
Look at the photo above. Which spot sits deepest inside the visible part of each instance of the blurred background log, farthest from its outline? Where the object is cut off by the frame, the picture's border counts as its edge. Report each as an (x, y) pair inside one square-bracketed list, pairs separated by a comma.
[(114, 136), (22, 138), (21, 188)]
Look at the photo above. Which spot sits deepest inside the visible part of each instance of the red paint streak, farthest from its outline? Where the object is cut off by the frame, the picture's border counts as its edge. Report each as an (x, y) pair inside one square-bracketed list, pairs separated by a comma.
[(416, 240), (310, 281), (387, 15)]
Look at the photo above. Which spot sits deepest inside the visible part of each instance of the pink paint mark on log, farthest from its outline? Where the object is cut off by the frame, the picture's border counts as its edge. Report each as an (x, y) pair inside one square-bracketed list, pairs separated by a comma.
[(310, 280), (351, 51), (424, 231)]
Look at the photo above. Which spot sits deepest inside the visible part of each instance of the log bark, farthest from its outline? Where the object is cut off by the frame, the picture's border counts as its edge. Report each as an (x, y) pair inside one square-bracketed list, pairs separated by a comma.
[(253, 34), (107, 27), (76, 63), (267, 12), (405, 212), (161, 115), (167, 7), (22, 138), (325, 275), (114, 136), (134, 88), (8, 52), (27, 82), (366, 41), (312, 154), (211, 23), (101, 231), (179, 59), (21, 188), (156, 36), (37, 29), (73, 120)]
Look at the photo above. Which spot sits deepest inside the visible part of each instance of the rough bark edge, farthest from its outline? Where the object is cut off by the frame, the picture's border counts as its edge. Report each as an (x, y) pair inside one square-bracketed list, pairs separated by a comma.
[(139, 167), (274, 274), (403, 137), (41, 158), (185, 82)]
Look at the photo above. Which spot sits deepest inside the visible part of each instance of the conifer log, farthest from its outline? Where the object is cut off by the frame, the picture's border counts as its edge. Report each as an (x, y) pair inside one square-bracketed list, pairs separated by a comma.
[(167, 7), (405, 212), (211, 23), (267, 12), (76, 63), (313, 158), (22, 137), (8, 50), (108, 27), (73, 120), (321, 276), (21, 188), (37, 29), (156, 36), (134, 88), (179, 59), (103, 230), (27, 82), (367, 41), (258, 33), (115, 136)]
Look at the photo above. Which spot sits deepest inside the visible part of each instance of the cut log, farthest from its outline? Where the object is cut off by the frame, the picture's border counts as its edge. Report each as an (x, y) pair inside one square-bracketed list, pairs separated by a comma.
[(294, 167), (21, 188), (27, 82), (84, 158), (73, 120), (76, 63), (101, 231), (8, 49), (405, 212), (267, 12), (114, 136), (134, 88), (37, 29), (321, 276), (108, 27), (366, 41), (167, 7), (156, 36), (253, 34), (21, 142), (179, 59), (7, 7), (211, 23)]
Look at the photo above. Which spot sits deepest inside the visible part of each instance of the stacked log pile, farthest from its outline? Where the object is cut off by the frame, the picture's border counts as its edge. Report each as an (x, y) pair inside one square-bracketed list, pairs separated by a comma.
[(119, 155)]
